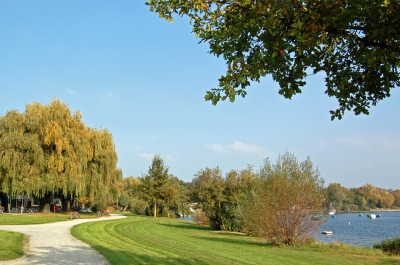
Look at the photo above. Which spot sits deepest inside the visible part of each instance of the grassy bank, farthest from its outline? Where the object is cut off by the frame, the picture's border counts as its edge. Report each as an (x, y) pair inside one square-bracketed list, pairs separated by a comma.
[(11, 245), (145, 240)]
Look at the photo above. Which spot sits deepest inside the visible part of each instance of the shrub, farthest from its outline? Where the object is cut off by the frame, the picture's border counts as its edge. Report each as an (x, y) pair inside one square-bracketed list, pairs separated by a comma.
[(389, 246), (200, 217), (99, 206), (138, 206), (124, 200), (282, 208)]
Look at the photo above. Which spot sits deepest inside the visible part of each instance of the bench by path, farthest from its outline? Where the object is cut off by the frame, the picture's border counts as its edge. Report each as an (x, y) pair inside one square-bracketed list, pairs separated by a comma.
[(53, 244), (75, 215)]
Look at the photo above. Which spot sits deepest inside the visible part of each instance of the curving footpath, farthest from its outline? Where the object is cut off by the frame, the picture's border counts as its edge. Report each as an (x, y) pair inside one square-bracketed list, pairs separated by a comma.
[(53, 244)]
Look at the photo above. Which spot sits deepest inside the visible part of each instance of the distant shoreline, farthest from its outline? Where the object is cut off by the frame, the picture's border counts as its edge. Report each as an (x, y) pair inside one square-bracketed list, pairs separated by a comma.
[(384, 210), (375, 210)]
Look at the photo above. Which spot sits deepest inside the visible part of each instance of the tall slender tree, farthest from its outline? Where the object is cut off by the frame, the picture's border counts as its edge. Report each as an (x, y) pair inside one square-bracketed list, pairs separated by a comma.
[(153, 182)]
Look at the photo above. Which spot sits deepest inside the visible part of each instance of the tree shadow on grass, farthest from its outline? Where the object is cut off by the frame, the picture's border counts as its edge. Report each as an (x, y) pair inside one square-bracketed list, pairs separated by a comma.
[(219, 236), (235, 239), (188, 226), (124, 257)]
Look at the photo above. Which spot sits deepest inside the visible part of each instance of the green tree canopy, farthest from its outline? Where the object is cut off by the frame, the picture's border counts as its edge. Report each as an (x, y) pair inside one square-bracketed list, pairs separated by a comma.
[(337, 195), (396, 195), (152, 186), (355, 43), (208, 191), (131, 186), (124, 200), (219, 197), (386, 199), (169, 193), (48, 149)]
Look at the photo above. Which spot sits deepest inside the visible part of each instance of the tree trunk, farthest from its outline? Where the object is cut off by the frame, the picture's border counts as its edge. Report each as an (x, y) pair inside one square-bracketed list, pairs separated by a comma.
[(46, 208), (155, 208), (66, 204)]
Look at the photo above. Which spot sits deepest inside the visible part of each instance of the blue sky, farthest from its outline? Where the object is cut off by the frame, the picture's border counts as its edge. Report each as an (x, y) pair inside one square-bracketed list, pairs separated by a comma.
[(144, 79)]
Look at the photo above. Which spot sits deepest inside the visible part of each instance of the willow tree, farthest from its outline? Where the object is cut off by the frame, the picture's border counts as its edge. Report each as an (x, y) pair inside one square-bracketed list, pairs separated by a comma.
[(49, 151)]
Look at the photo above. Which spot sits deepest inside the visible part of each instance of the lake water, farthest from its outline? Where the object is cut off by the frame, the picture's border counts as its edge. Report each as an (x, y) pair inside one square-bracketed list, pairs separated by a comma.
[(352, 229), (186, 218)]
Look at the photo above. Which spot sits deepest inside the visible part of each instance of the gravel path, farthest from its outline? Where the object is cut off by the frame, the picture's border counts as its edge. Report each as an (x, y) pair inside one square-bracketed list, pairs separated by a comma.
[(53, 244)]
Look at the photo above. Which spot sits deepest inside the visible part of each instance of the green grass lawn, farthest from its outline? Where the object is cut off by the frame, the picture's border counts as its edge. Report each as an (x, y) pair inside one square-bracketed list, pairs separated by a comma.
[(12, 244), (145, 240), (38, 218)]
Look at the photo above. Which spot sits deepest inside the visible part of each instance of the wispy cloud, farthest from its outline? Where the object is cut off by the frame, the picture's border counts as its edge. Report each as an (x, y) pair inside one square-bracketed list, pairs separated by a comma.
[(109, 97), (240, 147), (217, 148), (71, 92), (146, 156), (355, 140), (236, 147), (360, 141), (382, 146)]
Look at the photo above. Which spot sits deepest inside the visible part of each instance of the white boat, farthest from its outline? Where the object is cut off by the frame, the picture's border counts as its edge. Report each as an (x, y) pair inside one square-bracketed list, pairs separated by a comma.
[(372, 216), (331, 213), (327, 232)]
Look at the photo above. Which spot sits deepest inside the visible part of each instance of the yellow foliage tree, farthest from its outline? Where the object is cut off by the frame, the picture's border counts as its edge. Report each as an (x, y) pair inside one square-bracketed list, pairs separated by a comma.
[(48, 150)]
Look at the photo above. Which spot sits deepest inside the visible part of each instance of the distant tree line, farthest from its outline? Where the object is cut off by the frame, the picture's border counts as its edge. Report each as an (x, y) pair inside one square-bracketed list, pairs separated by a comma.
[(363, 198), (283, 202)]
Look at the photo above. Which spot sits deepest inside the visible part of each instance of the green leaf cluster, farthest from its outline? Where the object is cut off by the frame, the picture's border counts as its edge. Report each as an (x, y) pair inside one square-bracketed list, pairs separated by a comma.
[(354, 43), (158, 187), (219, 197)]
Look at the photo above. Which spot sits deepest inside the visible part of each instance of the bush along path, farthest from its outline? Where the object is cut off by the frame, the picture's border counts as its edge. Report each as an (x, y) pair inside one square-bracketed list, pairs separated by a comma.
[(53, 244)]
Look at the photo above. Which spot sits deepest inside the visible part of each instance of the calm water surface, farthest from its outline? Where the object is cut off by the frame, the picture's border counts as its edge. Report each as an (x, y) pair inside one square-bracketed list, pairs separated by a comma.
[(352, 229)]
